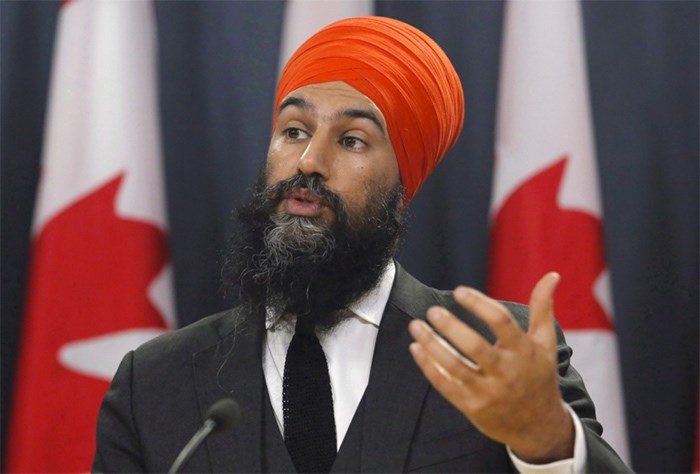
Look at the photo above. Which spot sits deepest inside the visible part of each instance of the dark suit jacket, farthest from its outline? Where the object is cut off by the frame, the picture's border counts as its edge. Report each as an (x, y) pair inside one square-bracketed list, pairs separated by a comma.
[(162, 389)]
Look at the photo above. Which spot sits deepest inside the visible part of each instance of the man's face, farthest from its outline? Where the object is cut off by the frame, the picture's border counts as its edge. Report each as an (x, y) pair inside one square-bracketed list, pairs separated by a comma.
[(338, 134), (327, 215)]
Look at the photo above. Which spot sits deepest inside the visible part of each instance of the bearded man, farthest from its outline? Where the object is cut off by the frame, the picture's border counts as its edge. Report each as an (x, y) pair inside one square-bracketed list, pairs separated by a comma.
[(319, 352)]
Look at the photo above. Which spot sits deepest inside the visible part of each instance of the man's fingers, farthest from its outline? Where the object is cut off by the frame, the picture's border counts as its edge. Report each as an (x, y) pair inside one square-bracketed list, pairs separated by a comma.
[(441, 352), (453, 389), (492, 313), (542, 310), (463, 337)]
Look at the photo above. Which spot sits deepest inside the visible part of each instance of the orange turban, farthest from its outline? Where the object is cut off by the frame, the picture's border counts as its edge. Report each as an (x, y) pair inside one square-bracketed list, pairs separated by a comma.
[(403, 71)]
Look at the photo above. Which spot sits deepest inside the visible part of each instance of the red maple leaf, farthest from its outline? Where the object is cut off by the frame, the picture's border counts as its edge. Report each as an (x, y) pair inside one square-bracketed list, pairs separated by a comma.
[(89, 276), (531, 235)]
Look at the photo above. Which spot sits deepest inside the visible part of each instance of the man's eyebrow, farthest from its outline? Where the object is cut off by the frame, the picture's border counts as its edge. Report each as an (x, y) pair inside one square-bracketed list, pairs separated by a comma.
[(347, 113), (295, 101), (363, 113)]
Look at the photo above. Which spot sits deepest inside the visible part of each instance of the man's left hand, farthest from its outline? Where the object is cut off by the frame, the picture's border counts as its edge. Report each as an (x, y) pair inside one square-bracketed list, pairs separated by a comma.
[(510, 391)]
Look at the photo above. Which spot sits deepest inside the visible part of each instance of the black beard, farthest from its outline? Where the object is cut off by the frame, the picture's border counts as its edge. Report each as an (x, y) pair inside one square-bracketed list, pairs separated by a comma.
[(300, 266)]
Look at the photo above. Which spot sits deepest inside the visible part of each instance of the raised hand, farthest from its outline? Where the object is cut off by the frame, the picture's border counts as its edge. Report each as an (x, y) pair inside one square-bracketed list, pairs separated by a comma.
[(509, 390)]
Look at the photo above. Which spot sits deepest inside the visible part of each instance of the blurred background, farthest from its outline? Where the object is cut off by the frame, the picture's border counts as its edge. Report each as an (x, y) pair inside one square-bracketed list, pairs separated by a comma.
[(218, 67)]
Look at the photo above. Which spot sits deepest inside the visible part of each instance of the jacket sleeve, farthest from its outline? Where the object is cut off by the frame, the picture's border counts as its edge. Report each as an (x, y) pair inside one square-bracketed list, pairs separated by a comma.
[(600, 457), (118, 447)]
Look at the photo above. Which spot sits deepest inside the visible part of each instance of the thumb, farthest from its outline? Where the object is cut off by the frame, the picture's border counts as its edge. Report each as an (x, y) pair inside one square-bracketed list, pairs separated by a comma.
[(541, 328)]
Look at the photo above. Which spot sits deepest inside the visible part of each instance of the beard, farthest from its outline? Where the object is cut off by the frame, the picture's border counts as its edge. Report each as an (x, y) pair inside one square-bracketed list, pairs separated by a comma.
[(284, 265)]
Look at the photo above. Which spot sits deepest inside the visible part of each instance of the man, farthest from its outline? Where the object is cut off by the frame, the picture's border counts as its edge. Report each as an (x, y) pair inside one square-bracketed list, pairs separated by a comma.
[(319, 352)]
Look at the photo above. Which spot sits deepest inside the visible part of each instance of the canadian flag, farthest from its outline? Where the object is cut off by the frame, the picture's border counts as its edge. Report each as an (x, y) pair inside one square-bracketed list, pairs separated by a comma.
[(546, 210), (99, 283)]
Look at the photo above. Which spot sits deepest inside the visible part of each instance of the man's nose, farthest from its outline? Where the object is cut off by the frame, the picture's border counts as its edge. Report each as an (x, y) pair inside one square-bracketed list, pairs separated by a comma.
[(317, 157)]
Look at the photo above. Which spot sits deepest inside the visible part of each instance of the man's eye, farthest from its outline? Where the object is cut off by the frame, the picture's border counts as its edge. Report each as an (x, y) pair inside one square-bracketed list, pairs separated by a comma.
[(352, 143), (295, 133)]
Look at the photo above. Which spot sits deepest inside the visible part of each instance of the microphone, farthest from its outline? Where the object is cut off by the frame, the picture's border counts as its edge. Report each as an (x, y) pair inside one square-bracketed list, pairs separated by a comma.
[(220, 417)]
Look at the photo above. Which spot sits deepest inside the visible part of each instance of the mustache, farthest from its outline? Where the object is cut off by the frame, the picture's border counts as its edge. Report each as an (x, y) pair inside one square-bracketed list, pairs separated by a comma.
[(273, 194)]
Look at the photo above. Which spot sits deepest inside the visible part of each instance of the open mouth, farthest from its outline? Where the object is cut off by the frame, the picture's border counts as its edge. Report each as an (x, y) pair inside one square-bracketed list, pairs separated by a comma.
[(303, 195), (302, 202)]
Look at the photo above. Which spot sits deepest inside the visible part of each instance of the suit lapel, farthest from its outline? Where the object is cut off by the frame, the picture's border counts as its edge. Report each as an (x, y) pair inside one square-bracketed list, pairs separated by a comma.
[(233, 368), (396, 388)]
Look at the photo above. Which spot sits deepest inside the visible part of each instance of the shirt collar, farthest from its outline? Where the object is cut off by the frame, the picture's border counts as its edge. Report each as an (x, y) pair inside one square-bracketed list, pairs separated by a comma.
[(370, 307)]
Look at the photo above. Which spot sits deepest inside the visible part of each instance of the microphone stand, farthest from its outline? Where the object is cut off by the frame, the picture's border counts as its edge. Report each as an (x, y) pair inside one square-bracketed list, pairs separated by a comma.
[(192, 445)]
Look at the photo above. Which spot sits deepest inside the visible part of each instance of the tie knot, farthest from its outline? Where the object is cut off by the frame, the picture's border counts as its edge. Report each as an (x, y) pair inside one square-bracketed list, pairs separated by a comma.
[(305, 325)]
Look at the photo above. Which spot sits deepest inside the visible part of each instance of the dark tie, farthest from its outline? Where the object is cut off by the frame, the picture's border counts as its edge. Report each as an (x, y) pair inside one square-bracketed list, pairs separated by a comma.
[(309, 425)]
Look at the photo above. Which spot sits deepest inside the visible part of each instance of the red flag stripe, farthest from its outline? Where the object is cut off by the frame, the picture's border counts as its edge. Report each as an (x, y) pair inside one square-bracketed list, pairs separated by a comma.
[(98, 283), (546, 209)]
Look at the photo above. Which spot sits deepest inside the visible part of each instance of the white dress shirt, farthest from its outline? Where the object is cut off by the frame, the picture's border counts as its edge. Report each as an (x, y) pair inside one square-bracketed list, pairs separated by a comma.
[(349, 349)]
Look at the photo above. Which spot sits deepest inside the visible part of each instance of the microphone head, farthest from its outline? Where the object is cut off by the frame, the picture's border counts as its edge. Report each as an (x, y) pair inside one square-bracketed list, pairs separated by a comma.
[(225, 413)]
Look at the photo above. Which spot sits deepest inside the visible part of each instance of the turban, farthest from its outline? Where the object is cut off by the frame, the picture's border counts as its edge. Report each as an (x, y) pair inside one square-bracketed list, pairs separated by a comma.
[(399, 68)]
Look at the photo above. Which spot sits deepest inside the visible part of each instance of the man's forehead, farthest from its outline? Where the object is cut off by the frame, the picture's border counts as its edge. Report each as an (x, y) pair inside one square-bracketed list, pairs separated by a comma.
[(336, 97), (333, 91)]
